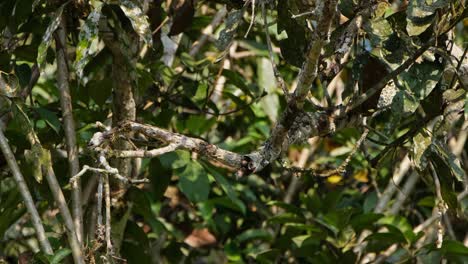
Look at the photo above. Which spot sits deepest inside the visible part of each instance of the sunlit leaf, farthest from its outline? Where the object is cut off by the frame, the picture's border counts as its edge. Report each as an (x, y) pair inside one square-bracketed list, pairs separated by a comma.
[(226, 36), (420, 14), (138, 19), (267, 82), (88, 36)]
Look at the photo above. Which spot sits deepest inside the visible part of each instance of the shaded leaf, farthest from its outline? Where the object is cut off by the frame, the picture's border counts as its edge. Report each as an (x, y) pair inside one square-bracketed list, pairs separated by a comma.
[(380, 241), (294, 46), (50, 118), (252, 234), (227, 188), (193, 182), (60, 255), (267, 82), (450, 160)]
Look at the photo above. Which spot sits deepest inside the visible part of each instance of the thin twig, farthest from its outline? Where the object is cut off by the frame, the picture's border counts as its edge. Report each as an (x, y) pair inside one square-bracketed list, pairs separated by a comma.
[(342, 168), (441, 208), (108, 170), (108, 215), (64, 211), (99, 202), (142, 153), (251, 20), (279, 78), (311, 13)]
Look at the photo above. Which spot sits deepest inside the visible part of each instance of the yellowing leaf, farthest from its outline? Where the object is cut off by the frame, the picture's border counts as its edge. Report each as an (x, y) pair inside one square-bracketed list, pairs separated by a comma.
[(334, 179), (361, 176)]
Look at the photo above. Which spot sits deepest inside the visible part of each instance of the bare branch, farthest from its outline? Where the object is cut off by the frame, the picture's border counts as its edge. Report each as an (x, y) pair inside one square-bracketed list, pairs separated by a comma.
[(392, 186), (69, 126), (405, 192), (110, 250), (99, 202), (145, 153), (252, 20), (108, 170), (64, 211), (23, 189)]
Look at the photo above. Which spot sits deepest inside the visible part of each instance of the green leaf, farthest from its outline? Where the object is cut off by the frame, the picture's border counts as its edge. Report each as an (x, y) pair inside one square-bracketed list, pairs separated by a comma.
[(226, 36), (236, 79), (252, 234), (60, 255), (267, 256), (87, 37), (379, 30), (267, 81), (399, 222), (450, 160), (227, 187), (363, 221), (404, 103), (175, 160), (420, 14), (454, 247), (138, 19), (193, 182), (380, 241), (47, 37), (201, 95), (421, 87), (287, 207), (286, 218), (50, 118), (23, 72), (335, 220), (421, 143), (160, 178), (305, 240)]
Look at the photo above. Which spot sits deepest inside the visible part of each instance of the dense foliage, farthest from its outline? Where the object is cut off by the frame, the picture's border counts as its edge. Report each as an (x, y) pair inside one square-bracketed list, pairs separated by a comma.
[(338, 131)]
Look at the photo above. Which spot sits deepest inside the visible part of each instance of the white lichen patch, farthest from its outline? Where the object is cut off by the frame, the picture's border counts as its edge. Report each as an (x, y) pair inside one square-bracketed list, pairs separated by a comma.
[(138, 19), (387, 95), (87, 37), (47, 38)]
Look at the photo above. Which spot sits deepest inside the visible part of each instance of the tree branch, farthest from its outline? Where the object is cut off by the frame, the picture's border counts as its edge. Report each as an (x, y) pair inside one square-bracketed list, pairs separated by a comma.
[(69, 126), (64, 211), (23, 189)]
